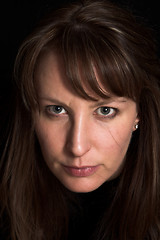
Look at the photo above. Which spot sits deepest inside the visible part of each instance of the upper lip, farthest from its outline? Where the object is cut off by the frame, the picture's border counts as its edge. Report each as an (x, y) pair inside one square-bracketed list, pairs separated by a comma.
[(79, 167)]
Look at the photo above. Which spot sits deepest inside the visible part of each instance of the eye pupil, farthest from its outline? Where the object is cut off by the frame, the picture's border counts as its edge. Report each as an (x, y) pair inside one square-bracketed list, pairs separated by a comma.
[(57, 109), (105, 110)]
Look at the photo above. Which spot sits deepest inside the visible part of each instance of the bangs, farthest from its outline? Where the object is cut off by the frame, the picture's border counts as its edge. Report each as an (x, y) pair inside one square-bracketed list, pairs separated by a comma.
[(95, 62), (100, 55)]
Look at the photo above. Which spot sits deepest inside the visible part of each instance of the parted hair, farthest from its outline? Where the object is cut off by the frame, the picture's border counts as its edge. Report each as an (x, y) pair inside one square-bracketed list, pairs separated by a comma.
[(88, 35)]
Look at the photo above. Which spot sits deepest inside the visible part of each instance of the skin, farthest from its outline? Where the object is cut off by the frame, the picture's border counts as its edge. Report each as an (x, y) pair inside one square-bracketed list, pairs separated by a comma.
[(80, 134)]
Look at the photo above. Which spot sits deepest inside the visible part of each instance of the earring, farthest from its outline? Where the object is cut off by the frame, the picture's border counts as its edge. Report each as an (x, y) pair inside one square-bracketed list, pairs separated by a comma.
[(136, 126)]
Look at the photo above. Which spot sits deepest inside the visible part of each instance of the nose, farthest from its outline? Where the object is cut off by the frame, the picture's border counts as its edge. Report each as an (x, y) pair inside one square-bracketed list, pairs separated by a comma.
[(78, 141)]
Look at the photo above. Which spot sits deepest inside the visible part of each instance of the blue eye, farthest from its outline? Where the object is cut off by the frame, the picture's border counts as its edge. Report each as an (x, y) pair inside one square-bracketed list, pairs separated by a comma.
[(55, 110), (106, 111)]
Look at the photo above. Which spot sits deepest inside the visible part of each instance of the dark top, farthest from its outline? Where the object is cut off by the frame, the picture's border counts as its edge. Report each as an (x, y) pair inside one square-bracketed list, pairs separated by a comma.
[(86, 212)]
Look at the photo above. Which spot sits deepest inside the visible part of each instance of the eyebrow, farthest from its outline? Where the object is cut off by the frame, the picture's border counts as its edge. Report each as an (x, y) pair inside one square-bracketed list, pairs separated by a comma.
[(53, 100), (97, 103), (109, 101)]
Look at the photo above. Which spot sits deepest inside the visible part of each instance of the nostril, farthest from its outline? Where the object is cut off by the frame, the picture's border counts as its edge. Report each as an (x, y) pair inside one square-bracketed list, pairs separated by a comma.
[(78, 149)]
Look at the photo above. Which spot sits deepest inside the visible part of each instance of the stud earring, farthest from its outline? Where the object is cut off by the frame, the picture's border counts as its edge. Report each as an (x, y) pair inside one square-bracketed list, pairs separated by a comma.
[(136, 126)]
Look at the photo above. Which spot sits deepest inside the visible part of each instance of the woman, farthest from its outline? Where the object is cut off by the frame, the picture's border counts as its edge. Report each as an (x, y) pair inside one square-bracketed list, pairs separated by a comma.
[(81, 160)]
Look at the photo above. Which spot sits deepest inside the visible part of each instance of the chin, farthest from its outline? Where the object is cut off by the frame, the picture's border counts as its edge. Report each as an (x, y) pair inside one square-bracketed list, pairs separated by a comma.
[(82, 186)]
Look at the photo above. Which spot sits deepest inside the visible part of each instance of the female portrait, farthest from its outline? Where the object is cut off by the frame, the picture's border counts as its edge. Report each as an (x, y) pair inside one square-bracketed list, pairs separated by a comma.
[(81, 159)]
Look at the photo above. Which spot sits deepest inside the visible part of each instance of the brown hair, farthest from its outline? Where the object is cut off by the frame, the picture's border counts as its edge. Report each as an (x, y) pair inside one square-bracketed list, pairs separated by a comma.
[(87, 34)]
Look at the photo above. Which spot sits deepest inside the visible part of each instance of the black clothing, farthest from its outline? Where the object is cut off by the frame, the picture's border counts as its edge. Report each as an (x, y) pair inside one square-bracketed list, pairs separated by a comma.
[(88, 209)]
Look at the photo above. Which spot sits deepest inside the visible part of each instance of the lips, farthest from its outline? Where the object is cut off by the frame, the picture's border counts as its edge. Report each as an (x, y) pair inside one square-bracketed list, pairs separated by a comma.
[(82, 171)]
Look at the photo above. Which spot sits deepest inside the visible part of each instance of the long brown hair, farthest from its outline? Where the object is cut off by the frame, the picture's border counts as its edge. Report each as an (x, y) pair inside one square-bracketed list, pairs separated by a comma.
[(86, 34)]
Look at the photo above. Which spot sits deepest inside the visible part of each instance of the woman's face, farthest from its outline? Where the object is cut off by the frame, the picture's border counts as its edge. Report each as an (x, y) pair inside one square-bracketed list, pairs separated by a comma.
[(83, 142)]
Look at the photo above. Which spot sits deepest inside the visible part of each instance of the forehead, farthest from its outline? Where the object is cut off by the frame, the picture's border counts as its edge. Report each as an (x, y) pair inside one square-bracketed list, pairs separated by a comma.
[(51, 73), (53, 84)]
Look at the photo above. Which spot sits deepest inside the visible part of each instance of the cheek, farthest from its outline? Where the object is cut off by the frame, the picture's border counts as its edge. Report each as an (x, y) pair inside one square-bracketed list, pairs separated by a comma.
[(121, 137), (116, 139), (50, 139)]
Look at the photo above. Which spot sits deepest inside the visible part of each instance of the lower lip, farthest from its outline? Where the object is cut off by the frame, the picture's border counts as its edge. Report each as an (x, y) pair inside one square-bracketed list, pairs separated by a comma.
[(81, 172)]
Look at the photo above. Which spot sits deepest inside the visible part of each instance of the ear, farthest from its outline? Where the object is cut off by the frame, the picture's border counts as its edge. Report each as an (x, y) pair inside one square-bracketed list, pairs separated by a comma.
[(136, 124)]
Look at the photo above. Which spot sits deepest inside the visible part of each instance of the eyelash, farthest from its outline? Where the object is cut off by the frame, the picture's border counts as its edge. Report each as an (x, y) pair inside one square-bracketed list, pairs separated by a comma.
[(60, 111)]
